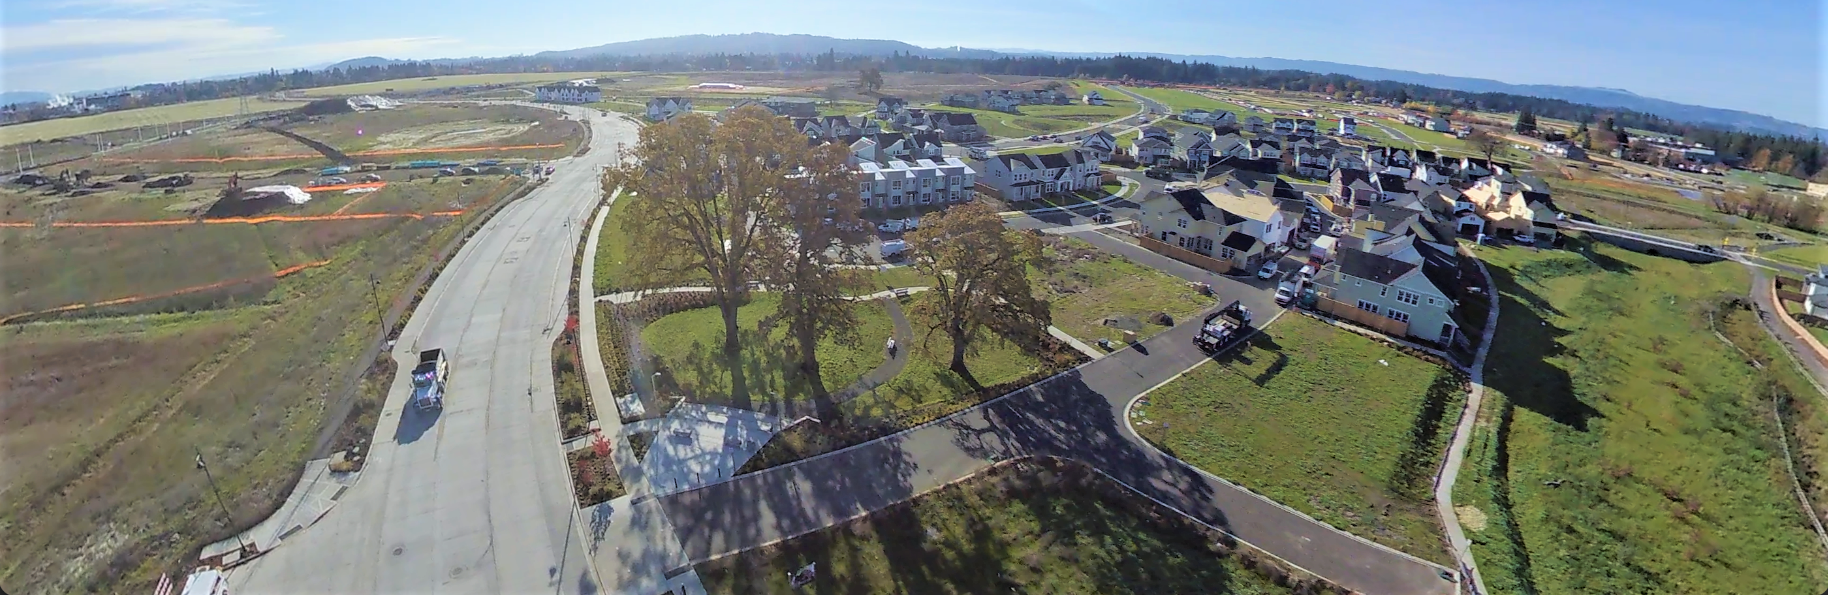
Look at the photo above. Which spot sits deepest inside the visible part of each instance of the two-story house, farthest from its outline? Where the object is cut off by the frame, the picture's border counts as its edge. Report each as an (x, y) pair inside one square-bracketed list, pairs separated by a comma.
[(1229, 222), (1392, 187), (1193, 148), (1312, 163), (1194, 116), (569, 92), (958, 128), (1305, 128), (1093, 98), (898, 182), (1348, 126), (1409, 283), (1152, 150), (1099, 145), (888, 106), (1437, 124), (792, 107), (969, 100), (1263, 148), (1253, 125), (1353, 187), (1231, 145), (1221, 119), (1019, 176), (1283, 126), (1513, 210), (1565, 150), (661, 109)]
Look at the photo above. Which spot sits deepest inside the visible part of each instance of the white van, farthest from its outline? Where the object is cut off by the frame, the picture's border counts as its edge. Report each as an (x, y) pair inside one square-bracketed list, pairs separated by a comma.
[(894, 248)]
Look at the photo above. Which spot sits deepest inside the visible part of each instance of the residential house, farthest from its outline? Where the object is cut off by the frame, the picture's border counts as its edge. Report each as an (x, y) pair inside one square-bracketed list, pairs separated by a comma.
[(661, 109), (1222, 221), (1565, 150), (1194, 116), (1155, 132), (1410, 284), (1425, 157), (1193, 148), (1513, 212), (1305, 128), (568, 93), (1253, 125), (958, 128), (1438, 124), (1311, 163), (1093, 98), (1815, 292), (793, 107), (1222, 119), (1431, 174), (1353, 187), (899, 182), (1262, 148), (1413, 119), (969, 100), (1348, 126), (1152, 150), (1099, 145), (999, 101), (1024, 176), (1346, 158), (1391, 187), (888, 106), (1230, 145), (910, 117), (1283, 126)]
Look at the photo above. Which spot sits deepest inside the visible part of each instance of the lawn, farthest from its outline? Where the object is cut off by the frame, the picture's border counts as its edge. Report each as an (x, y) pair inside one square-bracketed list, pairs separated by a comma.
[(1749, 177), (927, 388), (159, 115), (1020, 528), (1007, 125), (1625, 448), (1429, 138), (1328, 422), (1810, 256), (689, 346), (614, 249), (1086, 286)]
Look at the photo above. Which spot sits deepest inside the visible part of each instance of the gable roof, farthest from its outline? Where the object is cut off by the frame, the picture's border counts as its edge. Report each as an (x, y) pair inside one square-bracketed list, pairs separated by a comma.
[(1247, 203), (1149, 142), (1054, 160), (1191, 138), (1348, 175), (1240, 241), (1392, 183), (1154, 132), (1376, 268)]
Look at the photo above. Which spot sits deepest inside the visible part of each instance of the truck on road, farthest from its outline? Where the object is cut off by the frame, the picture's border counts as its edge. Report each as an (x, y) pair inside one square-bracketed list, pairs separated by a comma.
[(1224, 327), (428, 379)]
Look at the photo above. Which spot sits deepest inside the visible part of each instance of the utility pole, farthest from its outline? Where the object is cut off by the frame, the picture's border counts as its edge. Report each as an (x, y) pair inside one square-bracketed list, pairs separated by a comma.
[(212, 486), (374, 292)]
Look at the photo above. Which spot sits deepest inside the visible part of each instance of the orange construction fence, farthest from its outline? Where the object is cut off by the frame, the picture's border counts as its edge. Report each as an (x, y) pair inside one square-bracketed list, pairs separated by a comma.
[(281, 273), (246, 220), (355, 154)]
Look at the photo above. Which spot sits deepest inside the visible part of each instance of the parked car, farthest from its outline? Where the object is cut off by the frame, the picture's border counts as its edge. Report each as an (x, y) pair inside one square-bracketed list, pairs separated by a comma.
[(1285, 293), (977, 153), (1307, 273), (1706, 248), (891, 226), (1301, 242), (893, 248), (1103, 217), (1524, 239), (1269, 270), (911, 223)]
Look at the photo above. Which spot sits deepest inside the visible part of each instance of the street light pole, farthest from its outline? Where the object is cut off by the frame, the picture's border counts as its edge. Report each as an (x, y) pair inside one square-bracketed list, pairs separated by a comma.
[(212, 487), (374, 292)]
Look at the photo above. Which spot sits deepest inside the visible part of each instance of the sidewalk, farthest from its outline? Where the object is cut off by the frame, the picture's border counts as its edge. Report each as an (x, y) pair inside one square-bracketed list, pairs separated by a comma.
[(316, 492), (1075, 342), (1456, 451), (596, 378)]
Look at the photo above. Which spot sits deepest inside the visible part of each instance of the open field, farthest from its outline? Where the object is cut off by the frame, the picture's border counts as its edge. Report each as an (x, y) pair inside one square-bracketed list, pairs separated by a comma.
[(1331, 423), (690, 344), (1765, 179), (1624, 448), (1021, 528), (182, 112), (448, 81), (928, 386), (1810, 256), (1086, 286), (110, 497)]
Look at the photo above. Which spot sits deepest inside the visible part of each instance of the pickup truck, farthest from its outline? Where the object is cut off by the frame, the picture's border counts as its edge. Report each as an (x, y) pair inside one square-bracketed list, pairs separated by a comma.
[(1223, 327), (428, 379)]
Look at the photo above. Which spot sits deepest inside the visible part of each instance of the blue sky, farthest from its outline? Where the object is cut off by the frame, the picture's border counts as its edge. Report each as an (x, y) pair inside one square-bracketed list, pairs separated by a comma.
[(1765, 57)]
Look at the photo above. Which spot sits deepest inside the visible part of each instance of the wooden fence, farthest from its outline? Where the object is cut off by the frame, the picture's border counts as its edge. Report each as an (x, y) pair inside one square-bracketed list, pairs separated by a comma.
[(1790, 296), (1184, 255), (1377, 322)]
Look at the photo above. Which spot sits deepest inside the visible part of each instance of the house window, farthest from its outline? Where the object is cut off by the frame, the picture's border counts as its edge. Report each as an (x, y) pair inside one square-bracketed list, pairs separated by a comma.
[(896, 184), (1431, 301), (1367, 306), (1383, 291), (1408, 298), (864, 188), (1182, 223), (1397, 315), (1227, 253)]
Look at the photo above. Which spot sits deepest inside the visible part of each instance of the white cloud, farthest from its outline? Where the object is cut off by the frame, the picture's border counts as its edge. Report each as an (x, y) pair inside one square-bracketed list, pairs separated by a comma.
[(71, 55)]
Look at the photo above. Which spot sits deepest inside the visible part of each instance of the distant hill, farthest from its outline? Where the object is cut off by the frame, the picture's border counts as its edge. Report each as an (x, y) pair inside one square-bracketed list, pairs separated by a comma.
[(769, 43), (12, 97)]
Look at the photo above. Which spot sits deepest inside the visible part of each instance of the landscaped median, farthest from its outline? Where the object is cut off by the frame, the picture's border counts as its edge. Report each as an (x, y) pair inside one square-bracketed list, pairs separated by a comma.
[(1028, 526), (1341, 427)]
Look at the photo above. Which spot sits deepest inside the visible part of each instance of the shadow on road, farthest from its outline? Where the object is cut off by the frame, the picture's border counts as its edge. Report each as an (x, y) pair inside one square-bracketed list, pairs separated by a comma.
[(414, 422)]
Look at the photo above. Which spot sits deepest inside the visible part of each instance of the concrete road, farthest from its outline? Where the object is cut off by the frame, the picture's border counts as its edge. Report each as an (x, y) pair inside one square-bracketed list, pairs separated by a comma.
[(475, 498), (1078, 415)]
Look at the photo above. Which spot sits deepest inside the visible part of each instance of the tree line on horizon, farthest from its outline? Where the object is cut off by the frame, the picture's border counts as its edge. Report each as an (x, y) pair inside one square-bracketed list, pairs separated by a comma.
[(1806, 157)]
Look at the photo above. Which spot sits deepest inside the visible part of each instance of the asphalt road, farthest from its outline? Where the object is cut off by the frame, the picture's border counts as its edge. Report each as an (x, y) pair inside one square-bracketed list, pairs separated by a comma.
[(473, 499), (1077, 415)]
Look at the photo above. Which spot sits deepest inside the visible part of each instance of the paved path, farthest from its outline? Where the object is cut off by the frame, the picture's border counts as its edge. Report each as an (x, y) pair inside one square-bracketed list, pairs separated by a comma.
[(1079, 415), (474, 498), (1769, 310), (1074, 342), (1456, 451)]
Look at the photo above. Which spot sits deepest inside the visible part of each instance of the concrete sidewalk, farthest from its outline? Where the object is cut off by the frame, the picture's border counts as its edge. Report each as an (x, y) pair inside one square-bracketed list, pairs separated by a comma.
[(317, 491), (1075, 342)]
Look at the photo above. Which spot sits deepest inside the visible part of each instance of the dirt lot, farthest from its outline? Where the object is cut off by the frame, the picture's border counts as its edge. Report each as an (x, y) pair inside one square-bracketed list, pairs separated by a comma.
[(103, 407)]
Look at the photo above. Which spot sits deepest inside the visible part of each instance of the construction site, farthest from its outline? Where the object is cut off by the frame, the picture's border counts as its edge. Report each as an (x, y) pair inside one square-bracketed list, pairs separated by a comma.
[(218, 289)]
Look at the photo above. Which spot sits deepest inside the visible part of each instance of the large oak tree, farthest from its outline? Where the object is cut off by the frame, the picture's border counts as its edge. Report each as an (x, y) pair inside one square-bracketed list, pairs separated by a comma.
[(980, 277), (818, 234)]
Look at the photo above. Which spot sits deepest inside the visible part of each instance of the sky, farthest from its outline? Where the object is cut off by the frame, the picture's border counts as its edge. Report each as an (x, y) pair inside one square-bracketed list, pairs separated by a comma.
[(1765, 57)]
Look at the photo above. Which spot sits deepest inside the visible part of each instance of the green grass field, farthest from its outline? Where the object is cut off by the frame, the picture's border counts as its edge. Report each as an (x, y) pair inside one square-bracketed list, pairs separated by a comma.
[(455, 80), (160, 115), (1810, 256), (1004, 531), (1312, 417), (690, 346), (927, 387), (1655, 439), (613, 254), (1085, 286), (1765, 179)]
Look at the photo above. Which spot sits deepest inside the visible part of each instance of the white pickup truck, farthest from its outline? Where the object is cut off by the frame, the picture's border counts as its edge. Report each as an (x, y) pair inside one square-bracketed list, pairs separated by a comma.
[(428, 379)]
